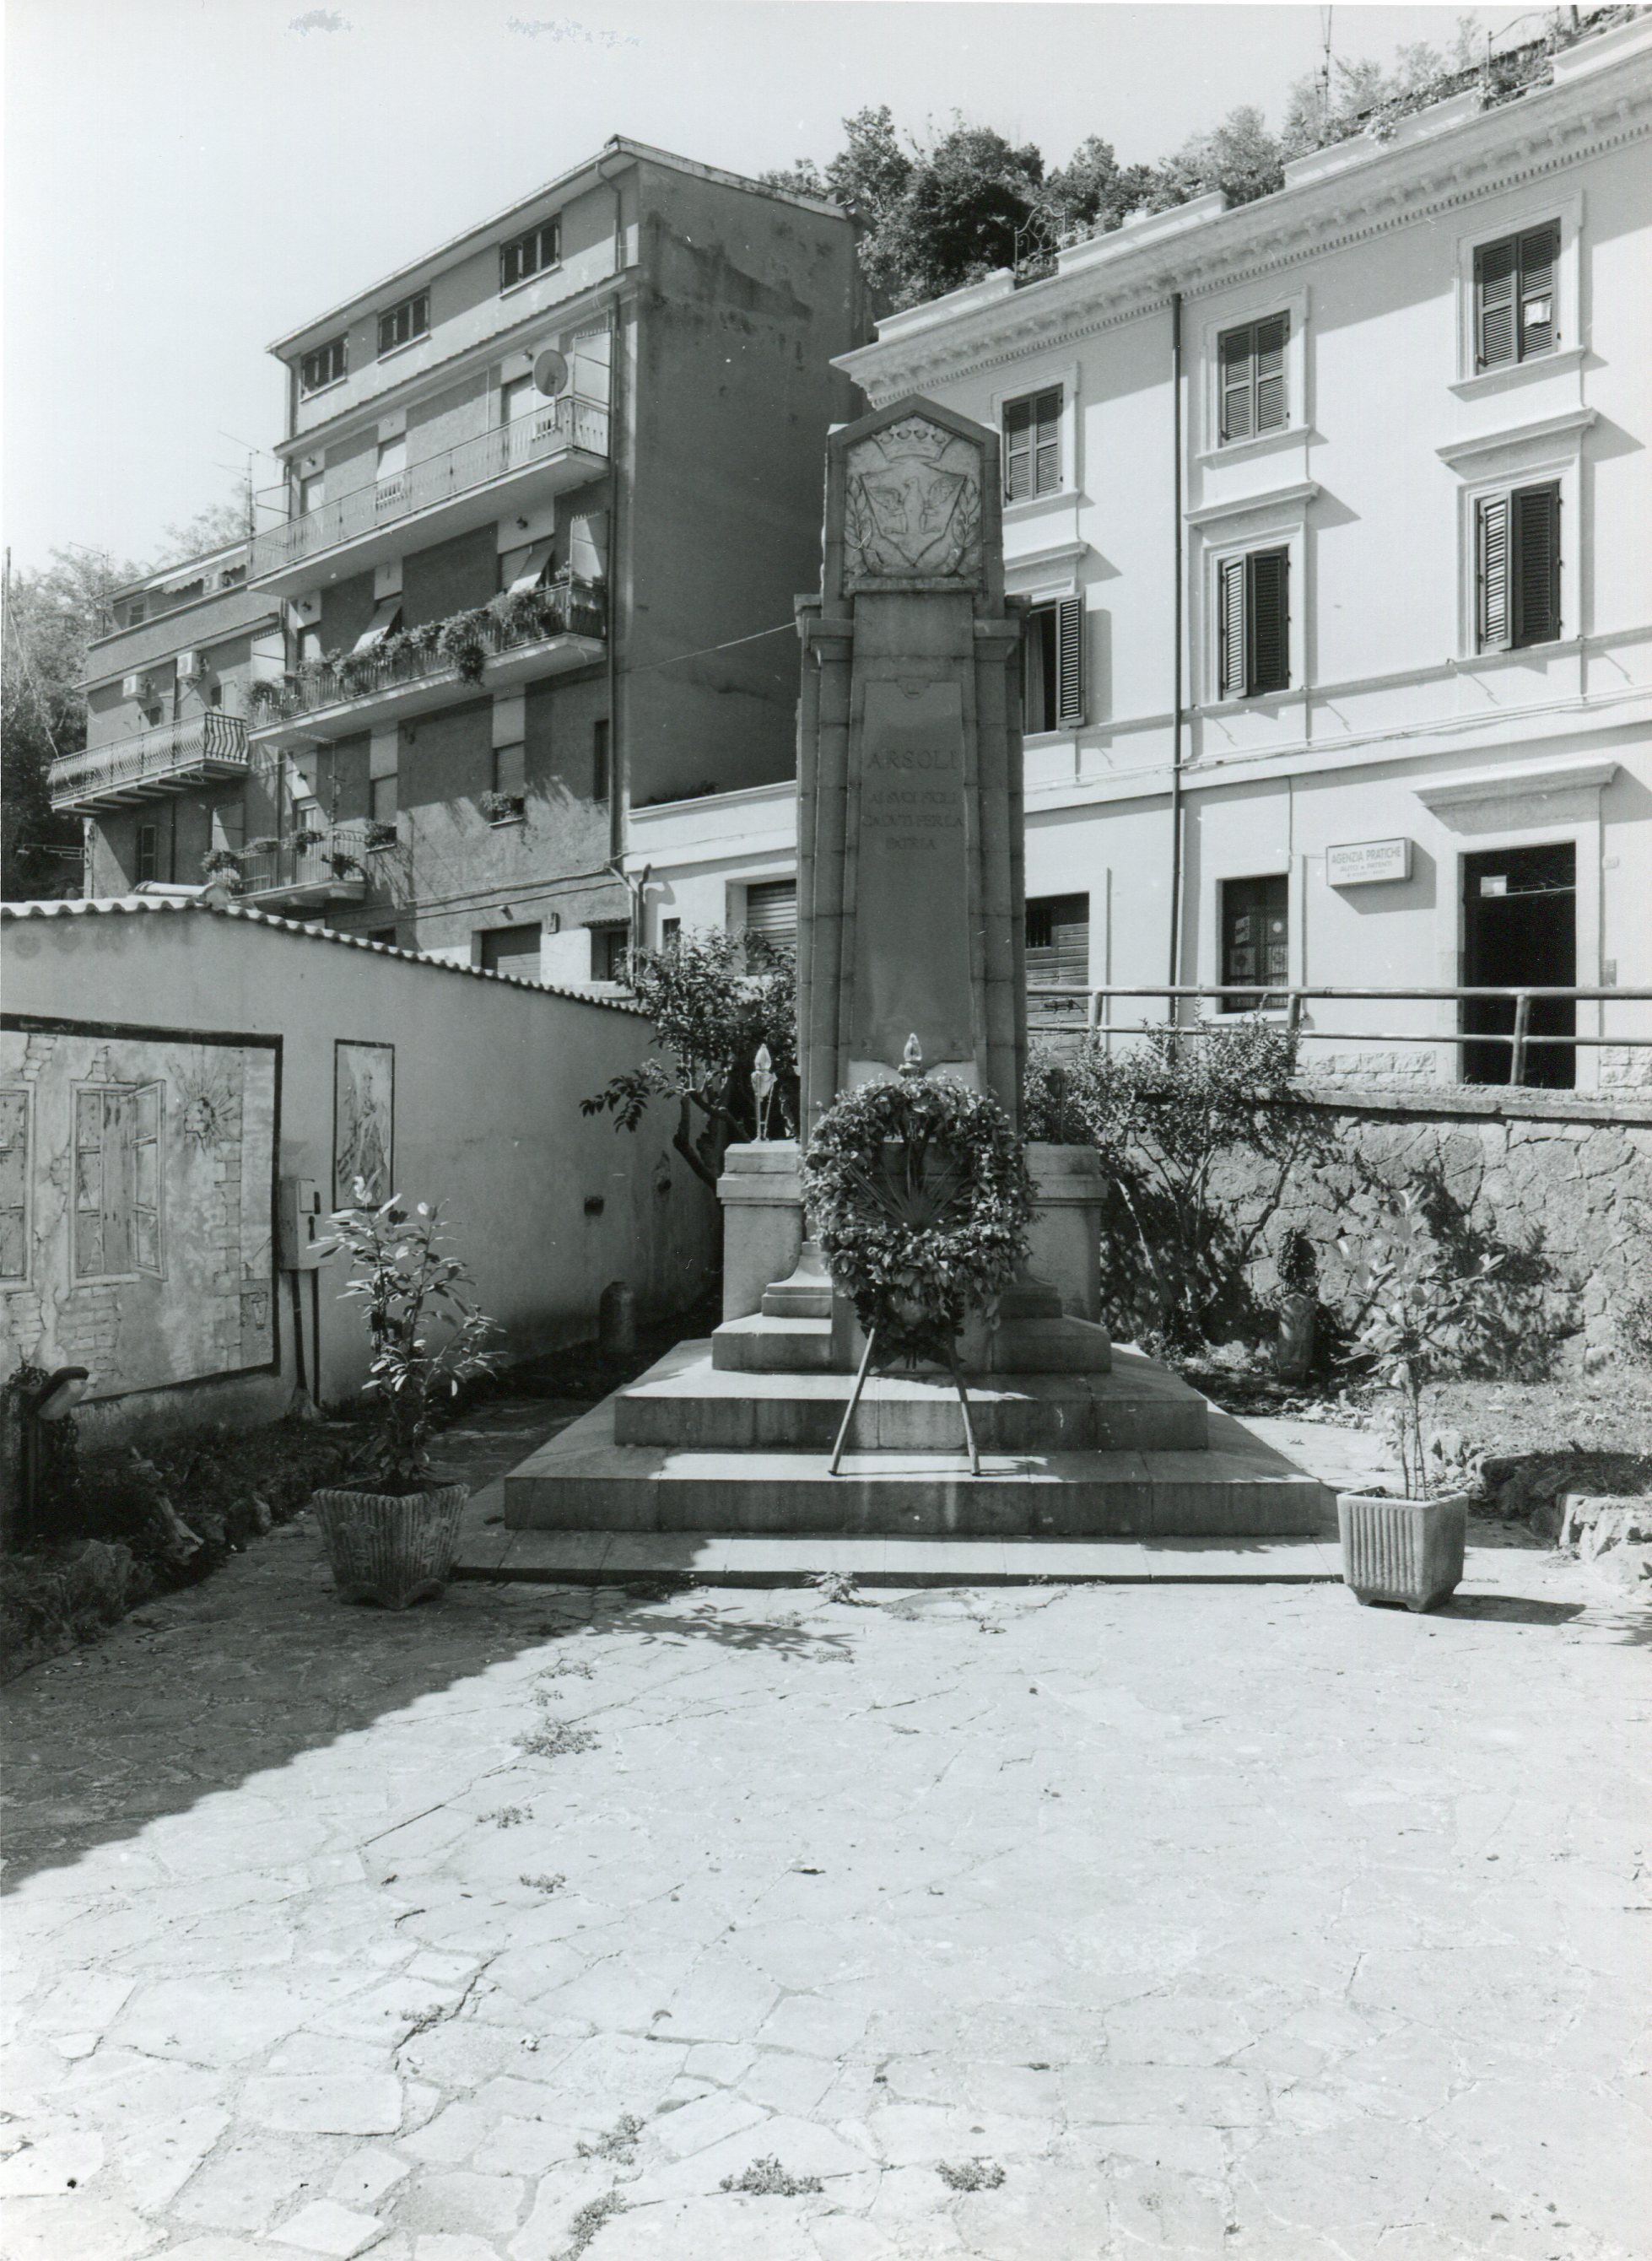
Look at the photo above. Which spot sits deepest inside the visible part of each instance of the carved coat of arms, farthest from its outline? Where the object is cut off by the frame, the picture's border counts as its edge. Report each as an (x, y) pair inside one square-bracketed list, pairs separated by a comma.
[(912, 507)]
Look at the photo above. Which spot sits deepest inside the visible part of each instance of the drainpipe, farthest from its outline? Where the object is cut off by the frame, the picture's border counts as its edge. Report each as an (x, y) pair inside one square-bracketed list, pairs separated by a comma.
[(1176, 706), (619, 763)]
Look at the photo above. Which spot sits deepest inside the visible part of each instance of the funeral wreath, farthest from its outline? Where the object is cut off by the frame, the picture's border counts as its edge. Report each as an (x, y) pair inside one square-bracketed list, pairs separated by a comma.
[(919, 1196)]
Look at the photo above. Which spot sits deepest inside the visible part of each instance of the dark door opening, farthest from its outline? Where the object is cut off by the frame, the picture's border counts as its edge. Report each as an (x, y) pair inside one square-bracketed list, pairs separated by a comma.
[(1519, 929)]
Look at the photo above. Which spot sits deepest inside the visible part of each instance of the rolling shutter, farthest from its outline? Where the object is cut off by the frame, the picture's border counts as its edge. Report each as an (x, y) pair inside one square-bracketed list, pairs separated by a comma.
[(1493, 573), (1535, 527), (1058, 940), (1494, 265), (772, 911), (1069, 661), (1231, 630), (1538, 250), (1269, 621)]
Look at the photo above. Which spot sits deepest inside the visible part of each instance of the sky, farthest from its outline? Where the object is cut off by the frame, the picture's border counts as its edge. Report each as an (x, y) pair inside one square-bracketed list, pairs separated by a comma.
[(187, 179)]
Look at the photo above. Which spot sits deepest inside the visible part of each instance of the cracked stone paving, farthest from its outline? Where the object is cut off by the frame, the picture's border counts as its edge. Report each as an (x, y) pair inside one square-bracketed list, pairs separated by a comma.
[(1045, 1922)]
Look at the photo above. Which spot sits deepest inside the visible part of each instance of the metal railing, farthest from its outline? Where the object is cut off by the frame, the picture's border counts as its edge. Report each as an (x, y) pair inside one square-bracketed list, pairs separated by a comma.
[(475, 462), (1485, 1001), (206, 742), (307, 860), (566, 608)]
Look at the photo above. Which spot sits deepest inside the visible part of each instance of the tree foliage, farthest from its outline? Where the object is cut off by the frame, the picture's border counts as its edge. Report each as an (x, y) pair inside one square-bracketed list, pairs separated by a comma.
[(714, 999)]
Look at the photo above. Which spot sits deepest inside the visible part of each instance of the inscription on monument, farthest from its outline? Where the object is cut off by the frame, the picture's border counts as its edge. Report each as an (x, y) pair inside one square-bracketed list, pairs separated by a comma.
[(911, 954)]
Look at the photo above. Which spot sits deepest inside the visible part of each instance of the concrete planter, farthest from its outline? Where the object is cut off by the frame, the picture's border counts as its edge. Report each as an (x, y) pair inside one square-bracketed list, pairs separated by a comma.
[(1401, 1550), (393, 1548)]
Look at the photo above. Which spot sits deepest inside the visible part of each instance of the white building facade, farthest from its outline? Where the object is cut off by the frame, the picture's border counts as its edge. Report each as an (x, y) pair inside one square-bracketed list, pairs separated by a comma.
[(1331, 512)]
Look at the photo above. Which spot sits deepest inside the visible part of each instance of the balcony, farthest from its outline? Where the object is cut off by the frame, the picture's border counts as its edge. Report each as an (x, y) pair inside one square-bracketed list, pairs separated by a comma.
[(513, 466), (440, 663), (206, 746), (306, 872)]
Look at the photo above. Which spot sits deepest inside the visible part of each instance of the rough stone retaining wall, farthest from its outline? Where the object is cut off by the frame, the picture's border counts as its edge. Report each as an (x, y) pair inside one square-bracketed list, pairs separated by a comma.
[(1562, 1183)]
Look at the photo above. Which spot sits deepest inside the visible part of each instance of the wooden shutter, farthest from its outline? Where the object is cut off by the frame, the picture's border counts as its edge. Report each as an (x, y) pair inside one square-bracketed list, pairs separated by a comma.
[(1059, 939), (1535, 544), (1270, 373), (1047, 424), (1491, 541), (1269, 623), (146, 1178), (14, 1185), (88, 1182), (1235, 356), (1018, 449), (1494, 266), (1231, 630), (1069, 662), (1538, 250)]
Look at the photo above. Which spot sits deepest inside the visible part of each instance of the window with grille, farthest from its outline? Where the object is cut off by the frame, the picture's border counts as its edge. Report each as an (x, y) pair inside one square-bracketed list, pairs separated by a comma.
[(1514, 303), (1052, 666), (1256, 939), (118, 1146), (398, 326), (772, 911), (1032, 445), (1252, 362), (530, 254), (1517, 568), (325, 365), (1254, 624)]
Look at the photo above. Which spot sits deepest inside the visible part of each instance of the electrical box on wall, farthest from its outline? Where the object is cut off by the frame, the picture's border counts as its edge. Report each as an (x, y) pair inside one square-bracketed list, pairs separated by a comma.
[(302, 1246)]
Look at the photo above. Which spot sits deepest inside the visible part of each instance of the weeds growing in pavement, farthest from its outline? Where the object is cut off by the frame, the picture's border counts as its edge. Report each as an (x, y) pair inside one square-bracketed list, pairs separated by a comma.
[(971, 2174), (544, 1883), (509, 1817), (554, 1739), (591, 2218), (768, 2178), (620, 2142)]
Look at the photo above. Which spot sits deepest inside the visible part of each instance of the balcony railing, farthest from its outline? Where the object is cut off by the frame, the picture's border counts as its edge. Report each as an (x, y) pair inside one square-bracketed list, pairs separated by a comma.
[(206, 745), (307, 867), (457, 649), (563, 425)]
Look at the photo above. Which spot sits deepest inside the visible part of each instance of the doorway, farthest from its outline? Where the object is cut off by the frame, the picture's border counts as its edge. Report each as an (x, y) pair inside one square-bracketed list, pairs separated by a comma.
[(1520, 930)]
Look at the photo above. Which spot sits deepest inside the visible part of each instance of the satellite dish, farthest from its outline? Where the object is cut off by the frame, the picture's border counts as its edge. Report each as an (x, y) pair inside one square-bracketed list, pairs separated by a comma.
[(550, 372)]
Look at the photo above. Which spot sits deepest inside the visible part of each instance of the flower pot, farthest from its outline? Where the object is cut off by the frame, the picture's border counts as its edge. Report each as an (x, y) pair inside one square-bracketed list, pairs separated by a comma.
[(393, 1549), (1401, 1550)]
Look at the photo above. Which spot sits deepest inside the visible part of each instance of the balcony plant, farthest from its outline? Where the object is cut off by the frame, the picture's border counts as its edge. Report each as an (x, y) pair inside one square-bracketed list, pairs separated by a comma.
[(1422, 1318), (503, 807), (222, 862), (343, 865), (392, 1527), (378, 835), (463, 642), (269, 698)]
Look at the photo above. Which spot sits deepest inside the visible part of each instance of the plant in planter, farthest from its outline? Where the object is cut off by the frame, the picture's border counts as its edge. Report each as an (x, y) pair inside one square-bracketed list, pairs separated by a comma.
[(503, 807), (269, 698), (221, 863), (463, 643), (377, 835), (1420, 1319), (343, 865), (391, 1528)]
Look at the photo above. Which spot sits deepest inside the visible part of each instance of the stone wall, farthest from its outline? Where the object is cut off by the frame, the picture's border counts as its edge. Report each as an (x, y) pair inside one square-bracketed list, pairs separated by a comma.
[(1559, 1186)]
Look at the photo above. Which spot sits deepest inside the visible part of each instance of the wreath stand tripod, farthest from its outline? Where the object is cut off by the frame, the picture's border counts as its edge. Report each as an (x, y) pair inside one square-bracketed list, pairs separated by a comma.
[(833, 1466)]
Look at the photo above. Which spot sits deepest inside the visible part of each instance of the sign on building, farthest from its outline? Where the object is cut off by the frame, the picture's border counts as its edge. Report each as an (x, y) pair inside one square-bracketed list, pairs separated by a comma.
[(1363, 861)]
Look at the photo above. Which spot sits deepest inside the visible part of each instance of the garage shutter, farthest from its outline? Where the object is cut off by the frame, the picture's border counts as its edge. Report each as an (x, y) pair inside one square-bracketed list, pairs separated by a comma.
[(772, 911)]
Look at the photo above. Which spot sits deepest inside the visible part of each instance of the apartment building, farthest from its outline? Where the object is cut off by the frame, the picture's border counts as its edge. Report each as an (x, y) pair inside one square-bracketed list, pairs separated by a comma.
[(549, 492), (1328, 514)]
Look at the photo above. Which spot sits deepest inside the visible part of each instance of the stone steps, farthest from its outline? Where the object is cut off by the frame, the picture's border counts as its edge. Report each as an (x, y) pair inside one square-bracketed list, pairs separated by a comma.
[(761, 1345), (689, 1402)]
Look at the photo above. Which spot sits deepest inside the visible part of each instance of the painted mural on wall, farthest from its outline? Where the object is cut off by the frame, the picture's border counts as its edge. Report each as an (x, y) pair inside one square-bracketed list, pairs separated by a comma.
[(137, 1178), (364, 1120)]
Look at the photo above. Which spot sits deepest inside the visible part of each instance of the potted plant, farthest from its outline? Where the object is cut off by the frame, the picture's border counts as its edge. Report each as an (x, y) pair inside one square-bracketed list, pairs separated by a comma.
[(463, 643), (1421, 1318), (504, 807), (391, 1530), (378, 835), (222, 862), (343, 865)]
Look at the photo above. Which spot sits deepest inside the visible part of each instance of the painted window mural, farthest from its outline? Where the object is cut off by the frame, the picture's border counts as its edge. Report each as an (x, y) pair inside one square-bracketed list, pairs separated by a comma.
[(137, 1183)]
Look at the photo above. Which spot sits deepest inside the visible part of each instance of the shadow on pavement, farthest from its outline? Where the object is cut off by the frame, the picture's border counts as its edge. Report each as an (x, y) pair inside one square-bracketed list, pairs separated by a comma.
[(1510, 1609)]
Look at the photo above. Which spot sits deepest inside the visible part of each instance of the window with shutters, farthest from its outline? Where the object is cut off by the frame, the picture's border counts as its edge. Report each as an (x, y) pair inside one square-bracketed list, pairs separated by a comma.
[(529, 254), (1253, 624), (1517, 568), (400, 325), (1515, 308), (610, 950), (1252, 380), (14, 1186), (325, 365), (117, 1180), (148, 856), (1255, 930), (1052, 666), (771, 910), (1032, 445)]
